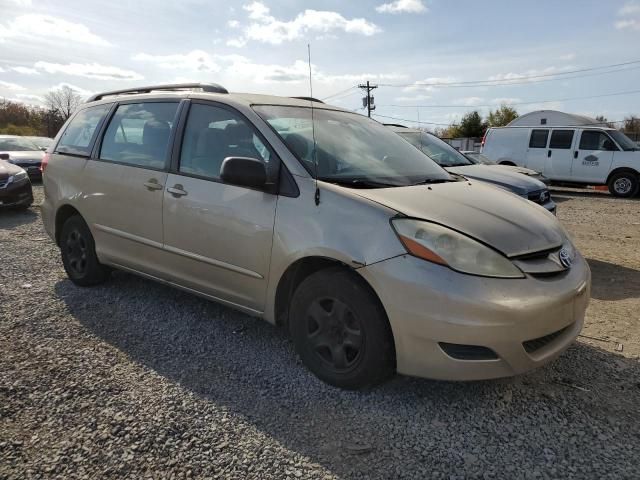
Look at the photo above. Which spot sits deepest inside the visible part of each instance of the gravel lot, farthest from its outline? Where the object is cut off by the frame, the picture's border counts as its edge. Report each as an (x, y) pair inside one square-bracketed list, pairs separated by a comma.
[(136, 380)]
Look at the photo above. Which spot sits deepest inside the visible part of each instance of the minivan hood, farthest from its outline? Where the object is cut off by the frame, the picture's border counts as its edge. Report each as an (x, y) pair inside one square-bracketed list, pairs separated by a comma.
[(516, 182), (505, 221)]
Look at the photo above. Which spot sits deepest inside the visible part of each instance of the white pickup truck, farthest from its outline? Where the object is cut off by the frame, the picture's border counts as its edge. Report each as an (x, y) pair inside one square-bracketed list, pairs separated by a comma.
[(570, 154)]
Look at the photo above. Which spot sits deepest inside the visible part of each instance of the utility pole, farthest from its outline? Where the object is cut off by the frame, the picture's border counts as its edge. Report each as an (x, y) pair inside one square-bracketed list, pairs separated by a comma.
[(368, 101)]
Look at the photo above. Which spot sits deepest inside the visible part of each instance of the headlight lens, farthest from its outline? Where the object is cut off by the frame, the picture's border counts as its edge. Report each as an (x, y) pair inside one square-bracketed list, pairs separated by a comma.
[(18, 177), (444, 246)]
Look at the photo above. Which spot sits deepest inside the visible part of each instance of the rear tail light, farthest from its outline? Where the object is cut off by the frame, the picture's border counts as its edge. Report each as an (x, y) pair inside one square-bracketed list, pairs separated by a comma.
[(45, 161)]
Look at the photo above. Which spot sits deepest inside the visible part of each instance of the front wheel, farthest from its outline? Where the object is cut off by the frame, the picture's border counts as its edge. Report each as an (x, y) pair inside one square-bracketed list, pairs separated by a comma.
[(340, 330), (623, 184), (79, 254)]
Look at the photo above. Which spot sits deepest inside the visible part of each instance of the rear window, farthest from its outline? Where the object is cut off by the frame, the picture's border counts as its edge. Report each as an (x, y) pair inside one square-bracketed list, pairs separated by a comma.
[(78, 138), (538, 139), (561, 139)]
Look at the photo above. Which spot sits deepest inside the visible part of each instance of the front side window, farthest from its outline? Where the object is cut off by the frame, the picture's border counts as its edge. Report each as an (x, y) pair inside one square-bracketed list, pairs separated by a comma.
[(213, 134), (350, 149), (78, 136), (595, 140), (139, 133), (538, 138), (561, 139)]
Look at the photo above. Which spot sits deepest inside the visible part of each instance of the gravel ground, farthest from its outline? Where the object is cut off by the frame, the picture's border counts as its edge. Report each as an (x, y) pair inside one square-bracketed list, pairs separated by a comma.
[(136, 380)]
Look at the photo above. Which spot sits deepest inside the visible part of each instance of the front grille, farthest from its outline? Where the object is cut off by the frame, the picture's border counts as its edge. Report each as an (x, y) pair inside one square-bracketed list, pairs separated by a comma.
[(536, 344), (468, 352), (539, 196)]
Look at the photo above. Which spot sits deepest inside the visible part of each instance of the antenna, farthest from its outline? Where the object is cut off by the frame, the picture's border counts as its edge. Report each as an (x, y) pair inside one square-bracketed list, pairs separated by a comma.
[(313, 130)]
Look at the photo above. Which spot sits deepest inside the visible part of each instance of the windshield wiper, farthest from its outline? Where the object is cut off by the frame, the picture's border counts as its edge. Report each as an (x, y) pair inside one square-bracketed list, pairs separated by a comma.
[(430, 181), (359, 182)]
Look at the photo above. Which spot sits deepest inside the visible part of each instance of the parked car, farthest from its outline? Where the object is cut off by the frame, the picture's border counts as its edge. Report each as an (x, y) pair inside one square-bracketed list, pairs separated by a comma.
[(22, 152), (481, 159), (15, 186), (318, 219), (42, 142), (455, 162), (577, 155)]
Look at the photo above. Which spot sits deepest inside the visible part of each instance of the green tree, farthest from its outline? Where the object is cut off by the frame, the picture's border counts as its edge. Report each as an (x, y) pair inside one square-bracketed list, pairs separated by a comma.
[(471, 125), (502, 116)]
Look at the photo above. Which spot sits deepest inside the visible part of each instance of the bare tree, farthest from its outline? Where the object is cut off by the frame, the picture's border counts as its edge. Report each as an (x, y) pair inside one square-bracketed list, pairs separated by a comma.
[(63, 101)]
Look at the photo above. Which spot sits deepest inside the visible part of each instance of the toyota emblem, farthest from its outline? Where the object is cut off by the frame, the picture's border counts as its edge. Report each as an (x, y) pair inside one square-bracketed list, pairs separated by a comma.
[(565, 258)]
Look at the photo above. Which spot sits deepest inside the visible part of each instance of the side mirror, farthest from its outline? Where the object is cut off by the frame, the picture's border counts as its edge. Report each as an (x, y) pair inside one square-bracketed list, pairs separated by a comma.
[(4, 156), (44, 149), (244, 171)]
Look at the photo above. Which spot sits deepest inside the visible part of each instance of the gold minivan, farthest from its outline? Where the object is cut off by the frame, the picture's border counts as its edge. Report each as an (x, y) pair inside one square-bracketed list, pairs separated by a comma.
[(317, 219)]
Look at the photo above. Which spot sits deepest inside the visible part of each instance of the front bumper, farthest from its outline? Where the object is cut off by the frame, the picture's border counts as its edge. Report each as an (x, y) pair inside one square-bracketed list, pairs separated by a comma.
[(16, 194), (430, 306)]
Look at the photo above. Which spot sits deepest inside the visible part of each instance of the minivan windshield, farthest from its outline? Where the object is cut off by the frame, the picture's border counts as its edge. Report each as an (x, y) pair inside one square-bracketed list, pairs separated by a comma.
[(17, 144), (625, 142), (350, 149), (440, 151)]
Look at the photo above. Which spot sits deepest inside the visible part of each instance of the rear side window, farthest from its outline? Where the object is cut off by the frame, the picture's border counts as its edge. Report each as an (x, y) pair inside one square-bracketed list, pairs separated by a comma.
[(561, 139), (139, 133), (78, 138), (539, 139), (595, 140)]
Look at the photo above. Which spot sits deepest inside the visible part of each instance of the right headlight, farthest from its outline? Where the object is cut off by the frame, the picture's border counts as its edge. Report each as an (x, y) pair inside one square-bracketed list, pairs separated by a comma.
[(444, 246)]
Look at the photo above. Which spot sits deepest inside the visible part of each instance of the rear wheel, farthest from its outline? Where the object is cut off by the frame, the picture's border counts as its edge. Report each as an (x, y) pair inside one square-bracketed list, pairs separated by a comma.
[(623, 184), (340, 330), (79, 254)]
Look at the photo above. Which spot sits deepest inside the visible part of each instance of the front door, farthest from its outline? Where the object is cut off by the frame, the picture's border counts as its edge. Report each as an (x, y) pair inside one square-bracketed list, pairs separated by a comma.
[(594, 156), (219, 236), (536, 158), (123, 187), (559, 155)]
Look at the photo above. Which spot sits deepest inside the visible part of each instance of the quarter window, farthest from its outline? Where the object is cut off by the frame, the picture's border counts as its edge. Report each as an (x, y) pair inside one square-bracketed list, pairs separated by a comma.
[(213, 134), (77, 139), (539, 139), (595, 140), (561, 139), (139, 133)]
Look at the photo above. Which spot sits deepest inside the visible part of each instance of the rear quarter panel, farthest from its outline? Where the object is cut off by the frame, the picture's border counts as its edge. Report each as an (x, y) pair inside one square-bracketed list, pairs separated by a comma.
[(507, 144)]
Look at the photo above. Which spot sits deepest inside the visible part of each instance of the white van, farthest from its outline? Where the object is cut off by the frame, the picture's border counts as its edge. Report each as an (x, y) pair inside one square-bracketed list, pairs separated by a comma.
[(569, 154)]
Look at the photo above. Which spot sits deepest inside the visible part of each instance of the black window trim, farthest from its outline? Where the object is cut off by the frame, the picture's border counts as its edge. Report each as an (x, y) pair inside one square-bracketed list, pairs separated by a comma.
[(174, 168), (95, 154), (573, 136), (616, 146), (94, 137), (548, 137)]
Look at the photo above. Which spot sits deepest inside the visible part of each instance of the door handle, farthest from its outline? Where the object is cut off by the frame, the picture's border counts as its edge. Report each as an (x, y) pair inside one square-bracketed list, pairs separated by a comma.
[(177, 191), (549, 154), (575, 154), (153, 185)]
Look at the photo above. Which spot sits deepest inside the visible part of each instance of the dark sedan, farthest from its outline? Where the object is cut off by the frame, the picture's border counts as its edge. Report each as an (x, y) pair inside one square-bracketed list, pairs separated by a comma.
[(22, 152), (15, 186)]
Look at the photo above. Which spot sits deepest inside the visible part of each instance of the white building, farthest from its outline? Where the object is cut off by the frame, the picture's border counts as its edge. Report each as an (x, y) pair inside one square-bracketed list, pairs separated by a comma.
[(553, 118)]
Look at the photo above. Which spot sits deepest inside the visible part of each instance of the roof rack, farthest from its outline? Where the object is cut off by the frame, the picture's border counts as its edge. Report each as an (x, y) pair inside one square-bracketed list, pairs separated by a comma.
[(310, 99), (205, 87)]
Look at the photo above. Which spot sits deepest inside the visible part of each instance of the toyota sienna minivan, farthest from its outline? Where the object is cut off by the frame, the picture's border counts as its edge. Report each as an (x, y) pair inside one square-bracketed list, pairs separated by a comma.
[(318, 219)]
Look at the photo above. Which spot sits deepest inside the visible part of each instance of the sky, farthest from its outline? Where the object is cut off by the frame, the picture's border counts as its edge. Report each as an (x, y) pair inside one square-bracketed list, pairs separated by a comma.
[(420, 52)]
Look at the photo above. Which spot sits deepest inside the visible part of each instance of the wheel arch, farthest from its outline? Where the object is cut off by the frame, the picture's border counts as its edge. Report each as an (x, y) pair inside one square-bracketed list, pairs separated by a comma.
[(620, 170), (62, 215)]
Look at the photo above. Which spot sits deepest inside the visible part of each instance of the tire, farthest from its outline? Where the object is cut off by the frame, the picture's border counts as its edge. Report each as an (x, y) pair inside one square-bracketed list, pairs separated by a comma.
[(79, 254), (340, 330), (623, 184)]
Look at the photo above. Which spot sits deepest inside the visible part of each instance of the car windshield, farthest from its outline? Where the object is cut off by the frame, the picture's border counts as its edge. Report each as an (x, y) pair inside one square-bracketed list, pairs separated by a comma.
[(17, 144), (350, 149), (479, 158), (625, 142), (42, 141), (440, 151)]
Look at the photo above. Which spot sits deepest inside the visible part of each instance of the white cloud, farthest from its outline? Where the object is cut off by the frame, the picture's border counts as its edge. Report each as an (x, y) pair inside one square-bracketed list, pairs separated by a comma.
[(402, 6), (37, 26), (567, 57), (469, 101), (79, 90), (529, 73), (19, 3), (11, 86), (505, 101), (28, 96), (196, 60), (89, 70), (632, 11), (26, 70), (414, 98), (266, 28), (233, 24), (236, 42), (428, 84)]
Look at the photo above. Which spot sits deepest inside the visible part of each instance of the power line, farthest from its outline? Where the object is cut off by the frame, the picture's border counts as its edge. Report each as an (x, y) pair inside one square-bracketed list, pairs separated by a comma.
[(630, 92), (513, 81), (340, 92)]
